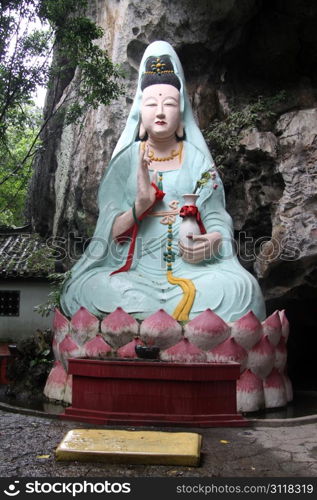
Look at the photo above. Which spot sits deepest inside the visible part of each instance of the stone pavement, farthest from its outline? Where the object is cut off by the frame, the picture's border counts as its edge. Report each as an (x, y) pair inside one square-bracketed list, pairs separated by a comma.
[(28, 443)]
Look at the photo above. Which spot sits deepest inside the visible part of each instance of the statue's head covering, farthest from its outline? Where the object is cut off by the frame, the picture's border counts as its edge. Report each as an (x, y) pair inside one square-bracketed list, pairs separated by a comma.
[(159, 70), (165, 52)]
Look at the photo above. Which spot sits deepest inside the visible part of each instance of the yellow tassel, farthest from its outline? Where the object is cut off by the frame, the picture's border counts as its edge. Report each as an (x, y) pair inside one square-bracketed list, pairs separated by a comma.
[(183, 309)]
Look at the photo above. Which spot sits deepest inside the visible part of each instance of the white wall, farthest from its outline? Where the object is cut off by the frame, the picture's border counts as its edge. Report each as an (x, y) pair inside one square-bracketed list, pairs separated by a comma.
[(32, 293)]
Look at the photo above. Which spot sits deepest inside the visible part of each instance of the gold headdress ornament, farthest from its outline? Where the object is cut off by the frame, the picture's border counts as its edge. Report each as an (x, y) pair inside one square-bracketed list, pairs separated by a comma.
[(157, 67)]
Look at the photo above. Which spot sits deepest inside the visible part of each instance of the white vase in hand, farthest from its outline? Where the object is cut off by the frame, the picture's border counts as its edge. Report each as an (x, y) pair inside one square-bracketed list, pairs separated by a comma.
[(189, 225)]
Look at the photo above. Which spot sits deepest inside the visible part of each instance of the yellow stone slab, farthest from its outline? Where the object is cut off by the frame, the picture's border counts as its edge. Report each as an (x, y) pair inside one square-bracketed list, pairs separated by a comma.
[(130, 447)]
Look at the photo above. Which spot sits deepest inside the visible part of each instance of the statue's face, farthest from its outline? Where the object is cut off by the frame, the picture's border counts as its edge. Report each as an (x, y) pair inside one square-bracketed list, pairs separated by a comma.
[(160, 110)]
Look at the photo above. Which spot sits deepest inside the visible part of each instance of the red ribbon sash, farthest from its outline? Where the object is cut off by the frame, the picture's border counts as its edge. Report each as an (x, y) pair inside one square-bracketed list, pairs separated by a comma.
[(159, 195), (192, 211)]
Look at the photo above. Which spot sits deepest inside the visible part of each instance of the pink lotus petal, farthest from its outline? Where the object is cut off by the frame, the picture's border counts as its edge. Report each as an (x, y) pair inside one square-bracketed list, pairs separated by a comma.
[(285, 324), (118, 321), (84, 325), (128, 350), (96, 348), (247, 330), (228, 351), (250, 395), (274, 390), (69, 349), (207, 330), (56, 382), (288, 387), (280, 355), (68, 390), (119, 328), (272, 327), (184, 352), (261, 358), (61, 325), (161, 330)]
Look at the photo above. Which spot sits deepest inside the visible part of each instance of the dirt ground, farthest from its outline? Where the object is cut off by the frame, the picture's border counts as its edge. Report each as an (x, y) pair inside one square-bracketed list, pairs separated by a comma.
[(28, 443)]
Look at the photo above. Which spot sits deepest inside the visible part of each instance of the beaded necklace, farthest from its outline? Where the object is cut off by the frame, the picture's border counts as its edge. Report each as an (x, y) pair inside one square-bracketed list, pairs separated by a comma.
[(181, 313), (173, 154)]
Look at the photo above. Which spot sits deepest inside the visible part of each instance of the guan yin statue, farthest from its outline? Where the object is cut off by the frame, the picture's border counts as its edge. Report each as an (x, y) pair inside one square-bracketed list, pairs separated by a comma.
[(160, 269)]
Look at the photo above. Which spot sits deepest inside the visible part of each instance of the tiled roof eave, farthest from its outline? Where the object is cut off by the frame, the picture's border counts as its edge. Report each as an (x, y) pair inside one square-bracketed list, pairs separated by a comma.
[(17, 252)]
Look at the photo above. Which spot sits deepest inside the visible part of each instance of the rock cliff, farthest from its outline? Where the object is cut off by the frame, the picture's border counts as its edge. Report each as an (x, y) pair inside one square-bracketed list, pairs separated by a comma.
[(232, 51)]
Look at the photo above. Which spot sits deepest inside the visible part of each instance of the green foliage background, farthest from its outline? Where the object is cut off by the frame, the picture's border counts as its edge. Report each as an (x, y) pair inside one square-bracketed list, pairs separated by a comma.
[(41, 41), (16, 163), (224, 135)]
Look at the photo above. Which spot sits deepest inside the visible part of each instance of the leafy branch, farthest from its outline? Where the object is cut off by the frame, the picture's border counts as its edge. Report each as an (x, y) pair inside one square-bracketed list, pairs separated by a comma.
[(224, 136), (57, 281), (205, 176)]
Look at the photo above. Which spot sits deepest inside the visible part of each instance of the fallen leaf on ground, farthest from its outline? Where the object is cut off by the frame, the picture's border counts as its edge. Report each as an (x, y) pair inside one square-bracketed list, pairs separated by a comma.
[(224, 441), (174, 472), (43, 456)]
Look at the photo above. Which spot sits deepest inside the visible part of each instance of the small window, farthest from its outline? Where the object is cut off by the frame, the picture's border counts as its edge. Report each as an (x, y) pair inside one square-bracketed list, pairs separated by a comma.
[(9, 303)]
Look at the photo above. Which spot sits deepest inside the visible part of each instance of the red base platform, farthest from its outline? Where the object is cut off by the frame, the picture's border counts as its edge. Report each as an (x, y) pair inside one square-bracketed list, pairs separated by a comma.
[(154, 393)]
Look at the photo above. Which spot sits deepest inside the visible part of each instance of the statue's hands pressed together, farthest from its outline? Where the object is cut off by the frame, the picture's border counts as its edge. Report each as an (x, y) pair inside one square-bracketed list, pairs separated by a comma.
[(204, 247), (145, 191)]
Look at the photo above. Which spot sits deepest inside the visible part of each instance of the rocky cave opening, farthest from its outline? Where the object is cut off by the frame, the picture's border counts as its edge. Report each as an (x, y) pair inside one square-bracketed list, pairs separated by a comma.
[(278, 50)]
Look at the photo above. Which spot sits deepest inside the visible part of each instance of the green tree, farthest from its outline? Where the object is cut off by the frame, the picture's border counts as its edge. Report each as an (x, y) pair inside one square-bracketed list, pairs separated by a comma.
[(16, 156), (41, 41)]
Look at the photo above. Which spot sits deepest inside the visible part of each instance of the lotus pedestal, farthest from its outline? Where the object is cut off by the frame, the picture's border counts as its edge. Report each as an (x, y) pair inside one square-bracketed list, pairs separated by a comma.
[(154, 393)]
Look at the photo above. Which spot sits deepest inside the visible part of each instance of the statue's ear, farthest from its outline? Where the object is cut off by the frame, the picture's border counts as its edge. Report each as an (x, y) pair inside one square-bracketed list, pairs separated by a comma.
[(180, 131), (142, 131)]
